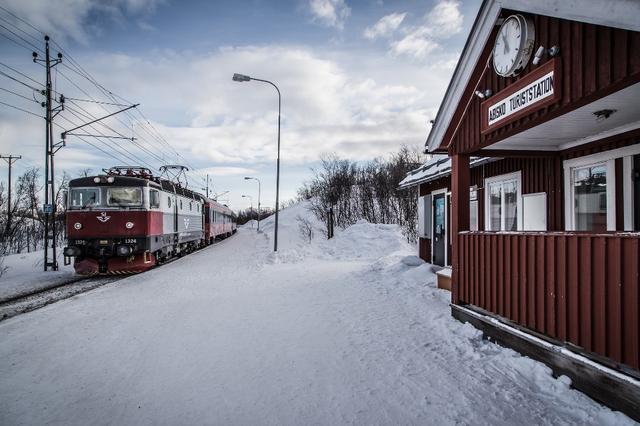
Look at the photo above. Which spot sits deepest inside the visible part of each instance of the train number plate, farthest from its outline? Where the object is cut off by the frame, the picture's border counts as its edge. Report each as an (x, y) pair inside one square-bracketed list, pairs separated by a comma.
[(130, 240)]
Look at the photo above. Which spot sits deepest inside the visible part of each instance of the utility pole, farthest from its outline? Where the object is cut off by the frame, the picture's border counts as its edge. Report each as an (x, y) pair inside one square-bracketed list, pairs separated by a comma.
[(207, 185), (10, 159), (50, 259)]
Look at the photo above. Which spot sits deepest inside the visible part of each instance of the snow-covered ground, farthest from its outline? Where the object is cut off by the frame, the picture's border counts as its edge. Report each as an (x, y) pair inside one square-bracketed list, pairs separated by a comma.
[(25, 274), (329, 332)]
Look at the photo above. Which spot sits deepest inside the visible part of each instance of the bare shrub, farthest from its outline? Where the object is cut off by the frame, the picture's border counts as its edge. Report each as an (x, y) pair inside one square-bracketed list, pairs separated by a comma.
[(365, 191), (305, 228)]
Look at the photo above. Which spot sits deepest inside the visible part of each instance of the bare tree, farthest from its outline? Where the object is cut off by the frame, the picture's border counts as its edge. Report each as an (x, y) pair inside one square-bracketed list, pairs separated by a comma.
[(365, 191)]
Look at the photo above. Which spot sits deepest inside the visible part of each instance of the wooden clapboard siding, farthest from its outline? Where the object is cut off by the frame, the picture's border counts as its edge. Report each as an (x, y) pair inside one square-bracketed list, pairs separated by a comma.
[(575, 287)]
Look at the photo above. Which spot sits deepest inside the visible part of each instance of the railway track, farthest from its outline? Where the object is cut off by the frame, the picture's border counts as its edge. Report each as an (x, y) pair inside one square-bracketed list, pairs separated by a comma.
[(28, 302)]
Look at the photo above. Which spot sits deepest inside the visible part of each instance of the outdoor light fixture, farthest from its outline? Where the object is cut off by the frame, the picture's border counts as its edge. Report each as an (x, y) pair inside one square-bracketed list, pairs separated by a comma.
[(77, 226), (129, 225), (96, 179), (241, 78), (111, 179), (538, 55), (552, 52), (482, 94), (603, 114)]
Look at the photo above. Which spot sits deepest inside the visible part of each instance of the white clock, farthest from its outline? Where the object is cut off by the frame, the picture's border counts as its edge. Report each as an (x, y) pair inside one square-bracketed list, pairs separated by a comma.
[(514, 45)]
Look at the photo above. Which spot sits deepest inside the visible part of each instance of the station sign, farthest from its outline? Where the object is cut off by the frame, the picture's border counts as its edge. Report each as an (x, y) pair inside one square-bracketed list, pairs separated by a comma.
[(532, 92)]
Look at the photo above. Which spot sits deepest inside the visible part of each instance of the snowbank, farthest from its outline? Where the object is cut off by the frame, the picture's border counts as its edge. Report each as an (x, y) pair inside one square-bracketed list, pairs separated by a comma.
[(25, 274), (347, 331)]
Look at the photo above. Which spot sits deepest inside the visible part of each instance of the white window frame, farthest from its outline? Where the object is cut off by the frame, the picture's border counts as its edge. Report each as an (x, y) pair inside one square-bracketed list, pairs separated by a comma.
[(424, 216), (608, 158), (473, 190), (517, 176)]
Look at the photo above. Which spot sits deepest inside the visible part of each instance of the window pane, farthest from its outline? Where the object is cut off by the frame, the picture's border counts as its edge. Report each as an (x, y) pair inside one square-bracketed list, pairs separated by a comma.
[(473, 216), (124, 196), (83, 198), (495, 204), (154, 200), (510, 206), (590, 198)]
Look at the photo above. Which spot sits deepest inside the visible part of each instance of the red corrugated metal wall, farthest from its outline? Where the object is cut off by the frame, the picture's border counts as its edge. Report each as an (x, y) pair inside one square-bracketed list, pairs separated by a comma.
[(574, 287), (538, 175), (595, 61)]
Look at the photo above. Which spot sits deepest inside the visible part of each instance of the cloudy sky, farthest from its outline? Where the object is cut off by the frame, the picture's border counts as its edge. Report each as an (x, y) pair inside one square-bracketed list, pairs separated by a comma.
[(358, 78)]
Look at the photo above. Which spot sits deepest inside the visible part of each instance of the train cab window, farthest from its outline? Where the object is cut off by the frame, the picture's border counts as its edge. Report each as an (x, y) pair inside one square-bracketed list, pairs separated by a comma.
[(81, 198), (124, 196), (154, 199)]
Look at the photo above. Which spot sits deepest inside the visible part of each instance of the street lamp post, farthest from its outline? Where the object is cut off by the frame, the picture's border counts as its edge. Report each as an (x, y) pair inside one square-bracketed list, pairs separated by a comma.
[(250, 204), (252, 178), (242, 78)]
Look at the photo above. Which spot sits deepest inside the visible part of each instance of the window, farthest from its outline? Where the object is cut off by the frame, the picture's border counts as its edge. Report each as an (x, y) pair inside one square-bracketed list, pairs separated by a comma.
[(424, 216), (590, 198), (124, 197), (81, 198), (473, 208), (180, 204), (503, 203), (190, 206), (169, 202), (154, 199)]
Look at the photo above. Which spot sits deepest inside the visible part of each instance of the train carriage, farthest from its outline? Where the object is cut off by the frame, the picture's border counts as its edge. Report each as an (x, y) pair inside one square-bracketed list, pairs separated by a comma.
[(127, 221)]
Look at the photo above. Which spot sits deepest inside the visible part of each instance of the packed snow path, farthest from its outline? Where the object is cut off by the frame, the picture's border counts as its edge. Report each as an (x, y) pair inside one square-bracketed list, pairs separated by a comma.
[(339, 332)]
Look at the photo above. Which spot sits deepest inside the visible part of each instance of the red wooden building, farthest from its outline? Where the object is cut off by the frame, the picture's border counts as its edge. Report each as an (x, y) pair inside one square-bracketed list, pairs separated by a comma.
[(541, 123)]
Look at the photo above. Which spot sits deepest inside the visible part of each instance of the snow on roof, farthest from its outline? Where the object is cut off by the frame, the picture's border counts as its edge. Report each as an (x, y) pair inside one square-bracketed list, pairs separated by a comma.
[(438, 166)]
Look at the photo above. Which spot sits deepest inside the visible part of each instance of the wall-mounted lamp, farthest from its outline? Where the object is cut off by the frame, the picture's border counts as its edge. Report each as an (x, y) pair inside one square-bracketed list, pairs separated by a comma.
[(603, 114), (482, 94), (552, 52)]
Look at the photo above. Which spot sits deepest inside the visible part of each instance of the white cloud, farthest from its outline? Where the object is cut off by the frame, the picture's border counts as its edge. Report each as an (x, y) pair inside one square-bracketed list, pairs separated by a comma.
[(332, 13), (385, 26), (441, 22), (445, 19), (226, 171), (416, 44), (68, 18)]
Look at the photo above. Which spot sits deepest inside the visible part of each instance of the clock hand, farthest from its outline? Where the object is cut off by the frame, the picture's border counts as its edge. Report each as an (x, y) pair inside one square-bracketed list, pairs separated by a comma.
[(506, 43)]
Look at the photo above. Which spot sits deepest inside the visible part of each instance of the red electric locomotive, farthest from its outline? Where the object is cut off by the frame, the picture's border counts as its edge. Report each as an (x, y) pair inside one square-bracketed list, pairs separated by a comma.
[(127, 221)]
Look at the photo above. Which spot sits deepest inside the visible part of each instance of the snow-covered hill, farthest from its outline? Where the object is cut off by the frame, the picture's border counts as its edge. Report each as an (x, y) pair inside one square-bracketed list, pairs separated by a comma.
[(346, 331)]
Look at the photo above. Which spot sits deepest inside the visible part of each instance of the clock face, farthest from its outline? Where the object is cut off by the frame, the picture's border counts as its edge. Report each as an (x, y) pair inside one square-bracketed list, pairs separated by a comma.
[(513, 46)]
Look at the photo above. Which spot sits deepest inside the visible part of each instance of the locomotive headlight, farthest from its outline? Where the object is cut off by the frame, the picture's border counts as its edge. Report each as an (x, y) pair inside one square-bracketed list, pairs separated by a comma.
[(72, 251), (111, 179), (96, 179), (129, 225), (123, 250), (77, 226)]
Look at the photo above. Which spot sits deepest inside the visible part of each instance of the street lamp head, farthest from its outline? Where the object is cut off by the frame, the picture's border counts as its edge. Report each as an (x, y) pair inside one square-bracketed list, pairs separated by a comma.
[(247, 178), (241, 77)]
